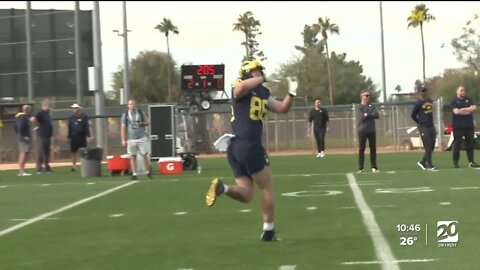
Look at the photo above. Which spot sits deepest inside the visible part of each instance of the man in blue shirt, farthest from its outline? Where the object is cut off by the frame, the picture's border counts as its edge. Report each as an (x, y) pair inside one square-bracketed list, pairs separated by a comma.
[(78, 132), (463, 126), (422, 114), (24, 137), (43, 122)]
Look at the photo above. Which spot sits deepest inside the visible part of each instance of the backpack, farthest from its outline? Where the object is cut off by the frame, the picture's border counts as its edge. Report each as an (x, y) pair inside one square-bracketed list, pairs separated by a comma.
[(142, 117)]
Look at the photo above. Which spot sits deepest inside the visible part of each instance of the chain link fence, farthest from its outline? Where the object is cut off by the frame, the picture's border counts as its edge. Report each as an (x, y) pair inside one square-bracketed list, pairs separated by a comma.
[(196, 131)]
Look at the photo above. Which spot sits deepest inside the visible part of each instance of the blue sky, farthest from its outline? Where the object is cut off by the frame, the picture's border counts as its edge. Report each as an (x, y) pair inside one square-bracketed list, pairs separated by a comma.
[(206, 35)]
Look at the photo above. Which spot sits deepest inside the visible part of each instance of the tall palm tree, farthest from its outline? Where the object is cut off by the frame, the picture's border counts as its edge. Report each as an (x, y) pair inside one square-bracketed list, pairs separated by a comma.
[(166, 26), (247, 24), (324, 26), (417, 17)]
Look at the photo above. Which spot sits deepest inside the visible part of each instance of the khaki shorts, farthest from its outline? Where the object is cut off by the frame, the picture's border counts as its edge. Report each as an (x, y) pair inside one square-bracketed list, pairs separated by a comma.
[(137, 146), (24, 147)]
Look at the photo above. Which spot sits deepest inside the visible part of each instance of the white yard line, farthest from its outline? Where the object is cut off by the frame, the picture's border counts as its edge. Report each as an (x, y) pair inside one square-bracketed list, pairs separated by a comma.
[(344, 185), (382, 249), (287, 267), (59, 210), (397, 261), (463, 188)]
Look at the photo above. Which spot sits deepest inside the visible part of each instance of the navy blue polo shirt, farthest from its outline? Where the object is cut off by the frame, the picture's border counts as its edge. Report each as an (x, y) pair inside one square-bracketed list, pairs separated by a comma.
[(462, 121), (78, 126), (45, 127), (422, 112)]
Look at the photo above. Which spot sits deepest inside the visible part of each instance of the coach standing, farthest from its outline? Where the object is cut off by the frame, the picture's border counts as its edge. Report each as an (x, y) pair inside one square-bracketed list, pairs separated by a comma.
[(318, 119), (43, 121), (463, 126), (422, 114), (78, 132), (24, 137), (366, 113)]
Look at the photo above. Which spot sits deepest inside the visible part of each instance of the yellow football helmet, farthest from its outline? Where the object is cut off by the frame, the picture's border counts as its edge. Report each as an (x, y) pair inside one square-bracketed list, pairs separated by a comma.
[(248, 66)]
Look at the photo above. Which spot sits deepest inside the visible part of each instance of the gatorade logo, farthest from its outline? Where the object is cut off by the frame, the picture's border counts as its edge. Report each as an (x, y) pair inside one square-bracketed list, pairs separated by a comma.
[(170, 166)]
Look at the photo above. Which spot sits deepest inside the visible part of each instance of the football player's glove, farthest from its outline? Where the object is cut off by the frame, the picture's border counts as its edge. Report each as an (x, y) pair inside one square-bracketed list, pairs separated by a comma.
[(292, 87)]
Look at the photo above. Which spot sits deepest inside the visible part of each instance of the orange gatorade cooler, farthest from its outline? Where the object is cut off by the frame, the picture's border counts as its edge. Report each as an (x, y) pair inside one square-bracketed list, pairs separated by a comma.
[(170, 165), (118, 164)]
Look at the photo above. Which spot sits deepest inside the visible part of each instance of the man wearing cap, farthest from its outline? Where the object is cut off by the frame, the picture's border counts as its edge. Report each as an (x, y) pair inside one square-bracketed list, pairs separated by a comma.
[(422, 114), (78, 132)]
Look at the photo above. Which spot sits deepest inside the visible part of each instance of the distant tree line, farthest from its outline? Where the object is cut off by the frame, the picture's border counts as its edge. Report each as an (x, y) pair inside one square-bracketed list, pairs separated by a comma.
[(320, 71)]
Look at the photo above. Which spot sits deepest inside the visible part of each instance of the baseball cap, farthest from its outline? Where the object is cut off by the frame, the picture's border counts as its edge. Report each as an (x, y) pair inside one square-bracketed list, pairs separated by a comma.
[(75, 105)]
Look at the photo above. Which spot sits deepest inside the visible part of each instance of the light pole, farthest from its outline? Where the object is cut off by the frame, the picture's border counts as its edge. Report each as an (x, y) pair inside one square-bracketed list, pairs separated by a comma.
[(98, 78), (126, 81), (384, 81)]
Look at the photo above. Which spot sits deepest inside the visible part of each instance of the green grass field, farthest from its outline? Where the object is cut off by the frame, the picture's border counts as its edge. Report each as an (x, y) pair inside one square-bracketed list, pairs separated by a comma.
[(328, 217)]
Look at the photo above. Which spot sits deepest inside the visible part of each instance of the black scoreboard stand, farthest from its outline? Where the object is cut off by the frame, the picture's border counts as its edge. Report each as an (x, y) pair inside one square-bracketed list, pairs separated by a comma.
[(186, 150)]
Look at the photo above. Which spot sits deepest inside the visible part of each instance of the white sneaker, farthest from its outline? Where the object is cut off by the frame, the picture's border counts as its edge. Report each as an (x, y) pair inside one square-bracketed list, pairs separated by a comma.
[(319, 155), (375, 170), (24, 174), (322, 154)]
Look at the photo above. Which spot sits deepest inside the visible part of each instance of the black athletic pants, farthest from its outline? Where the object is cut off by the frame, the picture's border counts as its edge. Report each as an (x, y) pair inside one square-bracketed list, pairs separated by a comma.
[(320, 138), (372, 143), (43, 153), (428, 135), (469, 134)]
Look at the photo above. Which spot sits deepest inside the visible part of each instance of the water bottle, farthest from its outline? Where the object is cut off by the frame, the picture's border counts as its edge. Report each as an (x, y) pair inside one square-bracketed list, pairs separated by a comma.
[(199, 169)]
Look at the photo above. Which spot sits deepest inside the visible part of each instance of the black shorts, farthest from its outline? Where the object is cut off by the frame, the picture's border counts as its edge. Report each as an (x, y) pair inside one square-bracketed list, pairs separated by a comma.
[(77, 142), (246, 157)]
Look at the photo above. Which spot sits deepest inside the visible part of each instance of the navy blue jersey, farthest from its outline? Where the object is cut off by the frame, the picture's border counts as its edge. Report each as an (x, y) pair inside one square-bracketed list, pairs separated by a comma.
[(248, 113), (422, 112), (462, 121)]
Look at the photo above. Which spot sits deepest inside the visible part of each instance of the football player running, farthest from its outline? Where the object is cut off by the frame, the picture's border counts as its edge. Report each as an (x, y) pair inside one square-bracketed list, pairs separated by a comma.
[(246, 155)]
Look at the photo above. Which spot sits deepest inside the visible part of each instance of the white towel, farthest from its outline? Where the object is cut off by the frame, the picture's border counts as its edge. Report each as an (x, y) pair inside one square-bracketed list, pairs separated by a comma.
[(221, 143)]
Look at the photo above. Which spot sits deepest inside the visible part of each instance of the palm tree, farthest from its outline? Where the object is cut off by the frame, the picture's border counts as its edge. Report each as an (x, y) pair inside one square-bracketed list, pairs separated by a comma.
[(310, 41), (166, 26), (323, 26), (398, 88), (417, 17), (247, 24)]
